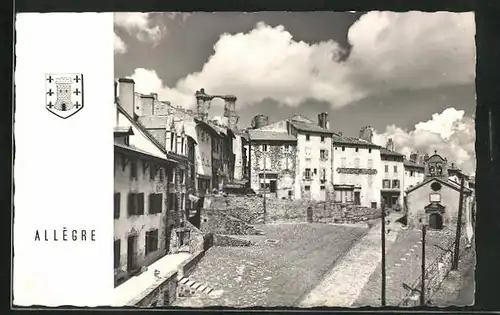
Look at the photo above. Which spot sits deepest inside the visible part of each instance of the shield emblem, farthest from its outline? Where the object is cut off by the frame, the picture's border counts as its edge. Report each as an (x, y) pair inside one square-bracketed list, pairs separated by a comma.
[(64, 94)]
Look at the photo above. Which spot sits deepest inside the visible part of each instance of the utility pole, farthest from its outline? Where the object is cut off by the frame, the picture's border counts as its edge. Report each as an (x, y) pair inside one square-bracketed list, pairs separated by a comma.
[(265, 188), (422, 284), (459, 223), (383, 253)]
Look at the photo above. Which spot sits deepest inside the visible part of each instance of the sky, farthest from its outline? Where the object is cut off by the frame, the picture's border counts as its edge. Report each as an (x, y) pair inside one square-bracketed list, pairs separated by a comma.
[(410, 75)]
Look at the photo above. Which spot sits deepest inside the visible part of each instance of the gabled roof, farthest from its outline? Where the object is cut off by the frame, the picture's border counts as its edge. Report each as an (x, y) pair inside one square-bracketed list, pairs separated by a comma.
[(384, 151), (144, 154), (309, 127), (143, 130), (341, 139), (265, 135), (410, 163), (446, 182)]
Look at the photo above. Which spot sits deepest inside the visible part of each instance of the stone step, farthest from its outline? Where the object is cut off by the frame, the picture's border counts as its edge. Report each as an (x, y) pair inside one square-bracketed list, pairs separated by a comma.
[(183, 280), (190, 283), (196, 286), (207, 290)]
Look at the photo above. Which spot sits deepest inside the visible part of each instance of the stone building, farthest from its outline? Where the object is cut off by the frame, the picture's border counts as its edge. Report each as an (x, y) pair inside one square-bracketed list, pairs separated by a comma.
[(435, 201), (356, 169), (393, 171), (272, 162), (142, 215), (414, 170), (291, 158)]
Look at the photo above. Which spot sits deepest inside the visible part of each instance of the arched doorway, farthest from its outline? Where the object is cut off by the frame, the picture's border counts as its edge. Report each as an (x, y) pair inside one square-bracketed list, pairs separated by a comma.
[(435, 221)]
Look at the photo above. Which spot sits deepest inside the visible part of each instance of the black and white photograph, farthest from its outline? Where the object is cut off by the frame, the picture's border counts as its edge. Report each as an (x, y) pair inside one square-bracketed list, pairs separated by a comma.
[(294, 159)]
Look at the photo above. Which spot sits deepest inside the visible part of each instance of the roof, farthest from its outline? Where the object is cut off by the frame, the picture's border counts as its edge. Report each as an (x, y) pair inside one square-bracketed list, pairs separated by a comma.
[(340, 139), (446, 182), (133, 149), (310, 127), (261, 135), (123, 130), (410, 163), (142, 129), (384, 151), (207, 125)]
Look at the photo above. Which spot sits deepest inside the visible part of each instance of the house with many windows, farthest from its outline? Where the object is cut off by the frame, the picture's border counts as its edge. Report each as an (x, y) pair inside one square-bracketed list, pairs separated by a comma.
[(392, 162)]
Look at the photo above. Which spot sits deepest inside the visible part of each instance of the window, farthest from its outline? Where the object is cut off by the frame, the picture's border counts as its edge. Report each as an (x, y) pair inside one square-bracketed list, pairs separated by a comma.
[(338, 195), (322, 138), (323, 174), (287, 165), (307, 173), (171, 201), (374, 205), (183, 202), (117, 205), (322, 187), (370, 151), (162, 174), (343, 148), (386, 183), (370, 163), (323, 154), (133, 169), (395, 168), (171, 177), (436, 186), (315, 171), (307, 188), (395, 183), (286, 148), (181, 177), (152, 172), (387, 168), (357, 149), (412, 173), (155, 203), (370, 181), (135, 205), (264, 147), (308, 137), (151, 241), (127, 140), (308, 153), (342, 161), (356, 162), (116, 251)]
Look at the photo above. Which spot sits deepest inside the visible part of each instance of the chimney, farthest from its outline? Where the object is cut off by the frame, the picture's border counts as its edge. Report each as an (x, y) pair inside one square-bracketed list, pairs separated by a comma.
[(366, 133), (323, 120), (201, 99), (414, 157), (126, 95), (390, 145)]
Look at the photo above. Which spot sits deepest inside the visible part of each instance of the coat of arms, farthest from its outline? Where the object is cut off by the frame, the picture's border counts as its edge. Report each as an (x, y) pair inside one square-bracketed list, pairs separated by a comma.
[(64, 94)]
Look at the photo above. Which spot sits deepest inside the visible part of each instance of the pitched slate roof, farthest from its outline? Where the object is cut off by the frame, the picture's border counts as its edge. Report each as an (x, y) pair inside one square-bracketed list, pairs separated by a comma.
[(410, 163), (340, 139), (265, 135), (309, 127), (384, 151)]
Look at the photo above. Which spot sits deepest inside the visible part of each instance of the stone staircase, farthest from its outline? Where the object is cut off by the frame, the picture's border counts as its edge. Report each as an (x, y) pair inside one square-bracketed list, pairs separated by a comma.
[(188, 287)]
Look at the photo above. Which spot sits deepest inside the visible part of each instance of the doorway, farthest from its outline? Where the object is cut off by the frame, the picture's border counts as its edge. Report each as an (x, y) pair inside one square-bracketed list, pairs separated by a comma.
[(131, 252), (272, 186), (435, 221), (357, 198)]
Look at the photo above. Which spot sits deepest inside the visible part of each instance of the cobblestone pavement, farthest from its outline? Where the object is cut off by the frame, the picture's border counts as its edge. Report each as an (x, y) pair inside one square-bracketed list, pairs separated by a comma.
[(268, 274), (403, 265)]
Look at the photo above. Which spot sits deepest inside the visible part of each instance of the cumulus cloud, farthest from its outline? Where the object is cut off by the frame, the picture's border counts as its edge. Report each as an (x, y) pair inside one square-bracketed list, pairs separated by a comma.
[(450, 133), (390, 51), (140, 25), (119, 45)]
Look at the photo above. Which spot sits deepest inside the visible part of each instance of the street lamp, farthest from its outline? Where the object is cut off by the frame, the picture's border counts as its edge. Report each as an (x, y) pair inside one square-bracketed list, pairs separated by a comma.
[(382, 206)]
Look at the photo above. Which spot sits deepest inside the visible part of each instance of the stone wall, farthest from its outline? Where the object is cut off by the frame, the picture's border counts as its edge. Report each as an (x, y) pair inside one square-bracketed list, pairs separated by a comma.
[(250, 210), (222, 222), (229, 241), (163, 294), (193, 239)]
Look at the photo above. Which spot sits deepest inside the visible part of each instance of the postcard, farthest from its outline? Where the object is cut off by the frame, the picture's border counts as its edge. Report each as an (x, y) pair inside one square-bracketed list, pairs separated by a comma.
[(268, 159)]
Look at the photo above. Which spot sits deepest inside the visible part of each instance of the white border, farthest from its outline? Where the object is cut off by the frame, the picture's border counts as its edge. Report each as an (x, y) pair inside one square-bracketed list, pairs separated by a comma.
[(63, 172)]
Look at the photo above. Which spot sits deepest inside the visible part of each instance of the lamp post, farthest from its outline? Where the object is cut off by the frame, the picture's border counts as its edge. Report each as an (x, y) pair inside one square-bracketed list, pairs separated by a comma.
[(454, 266), (265, 188), (422, 284), (382, 299)]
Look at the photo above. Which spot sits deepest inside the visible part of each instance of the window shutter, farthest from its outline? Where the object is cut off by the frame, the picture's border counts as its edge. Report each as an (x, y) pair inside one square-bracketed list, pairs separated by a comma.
[(117, 205), (326, 154), (140, 203), (131, 204)]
